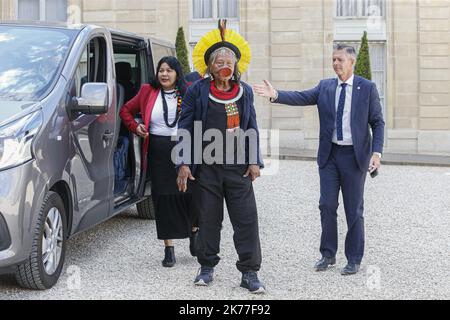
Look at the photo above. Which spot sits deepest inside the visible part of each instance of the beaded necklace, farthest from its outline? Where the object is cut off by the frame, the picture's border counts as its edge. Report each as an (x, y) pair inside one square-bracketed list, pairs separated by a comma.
[(166, 109), (229, 99)]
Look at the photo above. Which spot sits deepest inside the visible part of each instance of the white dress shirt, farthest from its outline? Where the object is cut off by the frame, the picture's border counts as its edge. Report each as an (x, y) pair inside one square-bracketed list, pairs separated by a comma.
[(157, 124), (346, 119)]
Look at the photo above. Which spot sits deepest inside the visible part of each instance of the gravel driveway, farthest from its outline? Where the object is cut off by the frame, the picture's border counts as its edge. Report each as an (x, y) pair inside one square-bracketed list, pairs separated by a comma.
[(407, 219)]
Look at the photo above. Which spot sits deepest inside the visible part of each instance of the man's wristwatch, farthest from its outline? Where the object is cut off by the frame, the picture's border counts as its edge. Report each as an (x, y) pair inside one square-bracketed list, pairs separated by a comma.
[(377, 154), (275, 98)]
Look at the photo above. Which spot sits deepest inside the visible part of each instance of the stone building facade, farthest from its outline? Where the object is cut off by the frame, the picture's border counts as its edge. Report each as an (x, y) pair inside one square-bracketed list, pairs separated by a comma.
[(292, 43)]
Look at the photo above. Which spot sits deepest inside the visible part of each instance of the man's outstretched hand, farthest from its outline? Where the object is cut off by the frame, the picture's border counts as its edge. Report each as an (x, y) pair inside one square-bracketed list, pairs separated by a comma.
[(265, 90)]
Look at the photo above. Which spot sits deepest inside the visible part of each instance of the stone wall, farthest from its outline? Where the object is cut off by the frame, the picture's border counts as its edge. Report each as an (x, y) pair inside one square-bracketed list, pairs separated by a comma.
[(291, 42), (418, 120), (6, 10)]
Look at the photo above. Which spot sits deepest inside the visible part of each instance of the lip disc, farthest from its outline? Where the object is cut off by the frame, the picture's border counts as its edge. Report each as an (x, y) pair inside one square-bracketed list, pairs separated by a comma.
[(225, 72)]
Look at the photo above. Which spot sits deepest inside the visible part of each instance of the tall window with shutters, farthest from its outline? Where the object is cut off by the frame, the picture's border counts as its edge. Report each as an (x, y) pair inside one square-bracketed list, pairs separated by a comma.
[(214, 9), (43, 10), (202, 9), (204, 16), (360, 8)]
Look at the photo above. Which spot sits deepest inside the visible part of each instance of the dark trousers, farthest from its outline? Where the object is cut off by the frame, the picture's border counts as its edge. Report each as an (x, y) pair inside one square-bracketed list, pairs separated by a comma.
[(214, 183), (342, 172)]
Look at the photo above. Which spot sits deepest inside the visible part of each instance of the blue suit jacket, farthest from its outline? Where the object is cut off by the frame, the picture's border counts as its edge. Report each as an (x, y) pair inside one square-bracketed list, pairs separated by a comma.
[(366, 111), (195, 108)]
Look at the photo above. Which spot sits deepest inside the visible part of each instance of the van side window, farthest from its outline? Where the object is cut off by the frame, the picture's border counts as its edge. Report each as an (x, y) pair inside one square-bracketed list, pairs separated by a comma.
[(92, 66)]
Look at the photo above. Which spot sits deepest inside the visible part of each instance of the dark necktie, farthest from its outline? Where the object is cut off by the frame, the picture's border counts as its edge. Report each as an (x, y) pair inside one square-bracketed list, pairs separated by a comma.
[(340, 113)]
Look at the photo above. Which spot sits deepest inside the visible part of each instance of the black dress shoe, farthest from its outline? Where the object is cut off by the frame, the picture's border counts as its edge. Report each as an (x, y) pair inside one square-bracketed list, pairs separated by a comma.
[(193, 239), (350, 268), (169, 257), (323, 263)]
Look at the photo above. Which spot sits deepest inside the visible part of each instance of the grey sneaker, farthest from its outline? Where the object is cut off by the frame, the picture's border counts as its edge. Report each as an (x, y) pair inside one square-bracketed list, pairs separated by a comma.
[(251, 282), (204, 276)]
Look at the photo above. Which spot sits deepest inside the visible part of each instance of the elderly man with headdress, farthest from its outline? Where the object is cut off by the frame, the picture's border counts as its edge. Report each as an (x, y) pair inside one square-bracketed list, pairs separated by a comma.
[(223, 105)]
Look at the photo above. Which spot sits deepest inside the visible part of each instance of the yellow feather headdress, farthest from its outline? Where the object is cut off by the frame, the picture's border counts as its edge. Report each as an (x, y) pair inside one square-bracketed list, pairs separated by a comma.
[(219, 38)]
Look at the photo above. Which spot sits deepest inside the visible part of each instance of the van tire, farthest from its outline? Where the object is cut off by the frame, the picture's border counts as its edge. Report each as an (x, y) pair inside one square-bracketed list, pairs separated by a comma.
[(31, 274), (146, 209)]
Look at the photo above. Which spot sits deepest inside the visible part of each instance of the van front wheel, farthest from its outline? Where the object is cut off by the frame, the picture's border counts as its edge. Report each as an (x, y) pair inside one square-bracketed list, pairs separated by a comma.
[(43, 267), (146, 210)]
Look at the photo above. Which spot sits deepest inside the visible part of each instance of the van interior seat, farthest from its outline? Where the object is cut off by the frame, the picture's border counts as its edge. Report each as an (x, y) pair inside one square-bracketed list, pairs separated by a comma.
[(124, 77)]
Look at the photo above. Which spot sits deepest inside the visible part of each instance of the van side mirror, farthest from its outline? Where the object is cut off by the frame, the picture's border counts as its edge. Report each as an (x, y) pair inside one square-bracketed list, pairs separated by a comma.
[(93, 100)]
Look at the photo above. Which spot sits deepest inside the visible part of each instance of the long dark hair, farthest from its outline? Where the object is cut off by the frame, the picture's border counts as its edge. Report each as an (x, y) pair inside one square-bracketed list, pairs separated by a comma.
[(175, 65)]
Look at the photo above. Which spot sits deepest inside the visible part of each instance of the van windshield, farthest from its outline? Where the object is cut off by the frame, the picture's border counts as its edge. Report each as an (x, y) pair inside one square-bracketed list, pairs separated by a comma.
[(30, 60)]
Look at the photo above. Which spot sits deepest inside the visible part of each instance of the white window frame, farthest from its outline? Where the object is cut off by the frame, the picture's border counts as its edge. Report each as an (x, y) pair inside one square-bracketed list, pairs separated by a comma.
[(359, 14), (215, 12), (42, 9)]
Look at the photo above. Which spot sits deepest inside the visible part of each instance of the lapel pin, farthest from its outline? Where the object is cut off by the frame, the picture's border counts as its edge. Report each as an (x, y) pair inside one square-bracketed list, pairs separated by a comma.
[(359, 88)]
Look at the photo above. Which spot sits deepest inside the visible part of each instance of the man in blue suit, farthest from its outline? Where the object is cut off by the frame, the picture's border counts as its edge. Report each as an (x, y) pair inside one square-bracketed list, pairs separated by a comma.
[(347, 106)]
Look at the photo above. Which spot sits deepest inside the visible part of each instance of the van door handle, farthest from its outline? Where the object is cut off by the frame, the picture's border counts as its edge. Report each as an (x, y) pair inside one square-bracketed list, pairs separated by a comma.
[(108, 135)]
